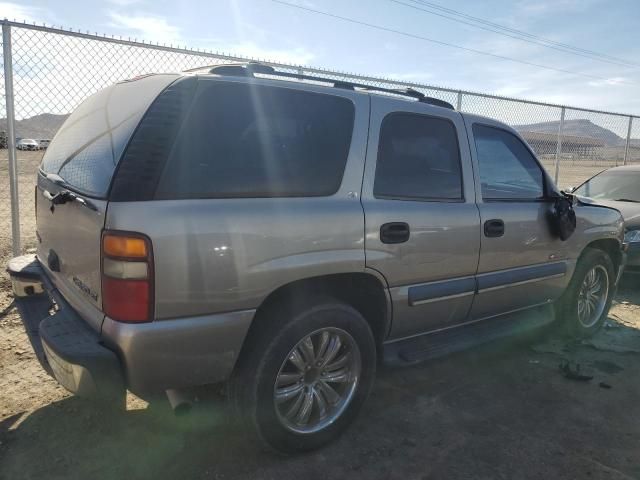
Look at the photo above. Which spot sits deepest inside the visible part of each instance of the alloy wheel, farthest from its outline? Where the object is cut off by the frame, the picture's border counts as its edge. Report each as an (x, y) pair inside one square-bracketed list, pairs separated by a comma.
[(592, 297), (317, 380)]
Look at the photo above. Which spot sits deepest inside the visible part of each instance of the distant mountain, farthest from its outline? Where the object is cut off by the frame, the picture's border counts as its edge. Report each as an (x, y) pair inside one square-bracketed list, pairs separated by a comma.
[(578, 128), (43, 126), (46, 125)]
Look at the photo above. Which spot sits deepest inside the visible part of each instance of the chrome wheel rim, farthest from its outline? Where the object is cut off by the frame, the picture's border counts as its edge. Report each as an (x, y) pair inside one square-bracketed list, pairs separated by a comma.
[(317, 380), (592, 298)]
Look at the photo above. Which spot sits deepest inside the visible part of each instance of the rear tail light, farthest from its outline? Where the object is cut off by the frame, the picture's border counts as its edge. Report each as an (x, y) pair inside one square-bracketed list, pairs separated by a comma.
[(127, 276)]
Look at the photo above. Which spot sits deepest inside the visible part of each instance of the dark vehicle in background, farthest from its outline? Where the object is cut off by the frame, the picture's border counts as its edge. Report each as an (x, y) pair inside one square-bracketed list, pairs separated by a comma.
[(235, 225), (619, 188)]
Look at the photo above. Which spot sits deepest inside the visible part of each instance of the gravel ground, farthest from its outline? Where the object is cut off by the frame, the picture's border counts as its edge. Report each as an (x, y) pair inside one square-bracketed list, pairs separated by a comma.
[(500, 411)]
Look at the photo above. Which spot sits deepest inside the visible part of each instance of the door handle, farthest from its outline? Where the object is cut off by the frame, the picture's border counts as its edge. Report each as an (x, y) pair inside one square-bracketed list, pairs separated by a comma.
[(494, 228), (394, 232)]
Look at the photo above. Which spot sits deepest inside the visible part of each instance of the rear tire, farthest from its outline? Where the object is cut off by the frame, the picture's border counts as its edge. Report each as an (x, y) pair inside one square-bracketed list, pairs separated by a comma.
[(304, 374), (585, 305)]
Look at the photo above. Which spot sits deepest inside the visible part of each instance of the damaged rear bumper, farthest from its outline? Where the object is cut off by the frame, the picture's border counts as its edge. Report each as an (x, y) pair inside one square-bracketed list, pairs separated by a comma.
[(66, 347)]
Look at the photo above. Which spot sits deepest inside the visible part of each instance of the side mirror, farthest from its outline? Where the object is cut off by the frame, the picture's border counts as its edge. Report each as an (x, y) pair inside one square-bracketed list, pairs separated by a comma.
[(569, 189), (562, 217)]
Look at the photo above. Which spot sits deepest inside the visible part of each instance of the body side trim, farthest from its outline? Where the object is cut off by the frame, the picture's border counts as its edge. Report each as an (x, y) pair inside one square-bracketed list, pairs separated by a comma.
[(441, 290), (521, 275)]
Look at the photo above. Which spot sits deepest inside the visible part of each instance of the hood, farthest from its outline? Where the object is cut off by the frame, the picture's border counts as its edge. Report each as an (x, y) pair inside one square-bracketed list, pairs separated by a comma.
[(630, 211)]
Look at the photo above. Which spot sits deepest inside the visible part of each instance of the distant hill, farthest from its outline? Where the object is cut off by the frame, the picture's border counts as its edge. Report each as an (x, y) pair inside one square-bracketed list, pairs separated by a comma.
[(40, 126), (578, 128), (46, 125)]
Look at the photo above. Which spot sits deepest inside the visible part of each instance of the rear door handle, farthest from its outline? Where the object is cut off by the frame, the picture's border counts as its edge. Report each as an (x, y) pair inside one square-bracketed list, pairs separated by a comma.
[(494, 228), (394, 232)]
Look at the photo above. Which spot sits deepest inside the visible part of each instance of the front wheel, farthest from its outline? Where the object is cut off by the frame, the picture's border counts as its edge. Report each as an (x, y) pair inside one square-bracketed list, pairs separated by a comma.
[(585, 304), (306, 375)]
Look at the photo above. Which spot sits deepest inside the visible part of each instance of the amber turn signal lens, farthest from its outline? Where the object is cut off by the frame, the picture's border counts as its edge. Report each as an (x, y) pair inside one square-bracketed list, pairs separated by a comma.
[(122, 246)]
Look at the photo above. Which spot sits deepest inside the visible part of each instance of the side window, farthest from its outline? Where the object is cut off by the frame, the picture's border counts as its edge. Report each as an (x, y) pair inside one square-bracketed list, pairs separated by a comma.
[(243, 140), (418, 158), (507, 169)]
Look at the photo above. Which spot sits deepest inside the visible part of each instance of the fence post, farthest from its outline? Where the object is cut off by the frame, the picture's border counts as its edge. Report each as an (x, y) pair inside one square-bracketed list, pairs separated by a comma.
[(459, 102), (559, 145), (626, 147), (11, 138)]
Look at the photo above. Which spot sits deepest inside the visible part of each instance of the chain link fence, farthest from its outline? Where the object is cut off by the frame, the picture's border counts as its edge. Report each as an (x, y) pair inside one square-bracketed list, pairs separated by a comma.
[(53, 70)]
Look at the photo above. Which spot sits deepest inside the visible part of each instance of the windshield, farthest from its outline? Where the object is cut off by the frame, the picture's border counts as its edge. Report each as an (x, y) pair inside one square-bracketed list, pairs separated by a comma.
[(623, 185)]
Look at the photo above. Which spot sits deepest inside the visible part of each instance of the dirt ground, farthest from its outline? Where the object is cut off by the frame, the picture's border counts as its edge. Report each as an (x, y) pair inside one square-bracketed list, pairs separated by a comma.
[(500, 411)]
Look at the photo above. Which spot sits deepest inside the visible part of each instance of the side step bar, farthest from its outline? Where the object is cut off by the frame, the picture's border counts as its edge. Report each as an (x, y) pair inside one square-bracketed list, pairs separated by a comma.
[(444, 342)]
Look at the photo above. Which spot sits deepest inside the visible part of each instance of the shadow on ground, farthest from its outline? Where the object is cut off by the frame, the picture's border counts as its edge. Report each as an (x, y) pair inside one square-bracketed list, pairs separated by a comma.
[(501, 411)]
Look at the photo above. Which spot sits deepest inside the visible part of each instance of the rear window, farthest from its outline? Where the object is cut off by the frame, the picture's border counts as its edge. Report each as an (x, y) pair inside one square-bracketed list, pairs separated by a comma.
[(86, 149), (244, 140)]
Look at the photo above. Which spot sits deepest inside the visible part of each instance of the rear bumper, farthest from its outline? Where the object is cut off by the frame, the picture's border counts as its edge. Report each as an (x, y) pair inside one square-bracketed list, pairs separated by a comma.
[(64, 344), (144, 357), (178, 353)]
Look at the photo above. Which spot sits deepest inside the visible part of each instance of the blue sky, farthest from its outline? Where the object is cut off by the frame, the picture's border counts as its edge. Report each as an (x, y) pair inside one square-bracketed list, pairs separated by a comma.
[(265, 29)]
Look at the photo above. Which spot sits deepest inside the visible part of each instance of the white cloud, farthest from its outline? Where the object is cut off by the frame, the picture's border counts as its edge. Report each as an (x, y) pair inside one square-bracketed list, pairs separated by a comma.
[(19, 12), (124, 3), (147, 27), (294, 55), (609, 82), (545, 7), (414, 77)]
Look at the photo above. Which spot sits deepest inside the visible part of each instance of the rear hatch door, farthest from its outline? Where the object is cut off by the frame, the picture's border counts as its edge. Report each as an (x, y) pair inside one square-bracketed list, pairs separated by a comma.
[(73, 185)]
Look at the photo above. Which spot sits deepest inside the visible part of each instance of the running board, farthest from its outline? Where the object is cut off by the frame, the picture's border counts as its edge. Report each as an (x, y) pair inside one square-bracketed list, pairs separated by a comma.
[(444, 342)]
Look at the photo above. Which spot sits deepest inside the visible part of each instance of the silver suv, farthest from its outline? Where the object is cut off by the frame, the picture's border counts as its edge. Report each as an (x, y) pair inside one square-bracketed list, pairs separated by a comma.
[(282, 234)]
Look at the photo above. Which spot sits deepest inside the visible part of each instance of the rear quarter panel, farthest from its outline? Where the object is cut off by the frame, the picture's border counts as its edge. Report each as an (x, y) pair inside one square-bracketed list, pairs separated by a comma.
[(221, 255), (224, 255)]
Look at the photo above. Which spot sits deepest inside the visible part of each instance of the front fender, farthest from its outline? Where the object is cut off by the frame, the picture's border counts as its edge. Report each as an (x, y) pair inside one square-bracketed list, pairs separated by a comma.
[(595, 222)]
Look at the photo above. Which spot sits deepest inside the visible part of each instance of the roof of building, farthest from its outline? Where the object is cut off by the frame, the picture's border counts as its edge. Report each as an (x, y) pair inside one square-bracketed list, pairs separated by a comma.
[(566, 139)]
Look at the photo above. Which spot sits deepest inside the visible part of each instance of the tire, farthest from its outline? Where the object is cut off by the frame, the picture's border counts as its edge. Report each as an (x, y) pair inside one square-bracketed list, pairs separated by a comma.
[(266, 358), (576, 321)]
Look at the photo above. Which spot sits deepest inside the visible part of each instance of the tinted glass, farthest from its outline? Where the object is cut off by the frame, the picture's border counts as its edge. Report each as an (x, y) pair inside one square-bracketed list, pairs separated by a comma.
[(507, 169), (244, 140), (89, 144), (613, 185), (418, 158)]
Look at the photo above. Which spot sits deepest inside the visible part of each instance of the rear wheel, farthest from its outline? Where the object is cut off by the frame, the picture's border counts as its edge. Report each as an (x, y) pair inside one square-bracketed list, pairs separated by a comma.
[(305, 375), (586, 303)]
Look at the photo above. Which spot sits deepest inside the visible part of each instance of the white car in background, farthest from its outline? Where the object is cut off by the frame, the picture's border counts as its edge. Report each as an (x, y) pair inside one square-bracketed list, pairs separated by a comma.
[(28, 144)]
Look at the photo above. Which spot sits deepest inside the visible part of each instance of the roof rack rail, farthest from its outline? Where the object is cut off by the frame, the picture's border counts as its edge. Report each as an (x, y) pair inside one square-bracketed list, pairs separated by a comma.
[(249, 69)]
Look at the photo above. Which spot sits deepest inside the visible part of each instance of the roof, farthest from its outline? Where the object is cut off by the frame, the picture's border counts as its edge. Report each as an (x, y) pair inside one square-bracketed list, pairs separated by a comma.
[(629, 168), (566, 139), (251, 69)]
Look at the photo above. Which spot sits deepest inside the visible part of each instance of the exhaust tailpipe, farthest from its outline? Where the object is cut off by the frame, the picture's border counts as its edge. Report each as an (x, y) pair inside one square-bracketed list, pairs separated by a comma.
[(180, 402)]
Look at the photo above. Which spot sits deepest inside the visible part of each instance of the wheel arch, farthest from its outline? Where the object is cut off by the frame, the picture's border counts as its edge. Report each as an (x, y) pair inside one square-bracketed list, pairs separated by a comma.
[(610, 246), (364, 291)]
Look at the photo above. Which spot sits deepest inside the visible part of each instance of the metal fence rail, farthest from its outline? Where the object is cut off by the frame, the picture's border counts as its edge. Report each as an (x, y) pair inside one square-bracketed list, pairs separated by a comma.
[(48, 71)]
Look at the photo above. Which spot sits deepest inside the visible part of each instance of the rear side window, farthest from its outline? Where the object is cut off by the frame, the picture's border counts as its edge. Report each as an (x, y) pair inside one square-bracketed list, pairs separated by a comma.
[(89, 144), (418, 158), (244, 140), (508, 170)]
